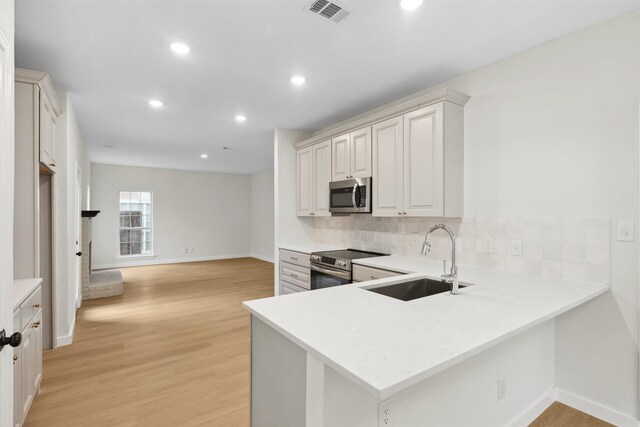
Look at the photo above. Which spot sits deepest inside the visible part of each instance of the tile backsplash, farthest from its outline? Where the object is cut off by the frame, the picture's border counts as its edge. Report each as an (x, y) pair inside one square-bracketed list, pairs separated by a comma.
[(566, 248)]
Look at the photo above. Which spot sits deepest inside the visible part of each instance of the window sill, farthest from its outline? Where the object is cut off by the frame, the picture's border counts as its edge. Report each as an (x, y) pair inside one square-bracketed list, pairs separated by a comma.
[(136, 256)]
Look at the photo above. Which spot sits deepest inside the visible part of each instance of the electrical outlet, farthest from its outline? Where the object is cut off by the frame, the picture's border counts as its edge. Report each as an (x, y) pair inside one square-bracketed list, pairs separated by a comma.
[(502, 388), (625, 231), (190, 250), (186, 250), (516, 247), (385, 414), (488, 246)]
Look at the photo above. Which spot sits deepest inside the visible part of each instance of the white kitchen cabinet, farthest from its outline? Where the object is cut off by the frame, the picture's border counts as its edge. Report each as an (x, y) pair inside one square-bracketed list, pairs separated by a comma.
[(295, 272), (363, 273), (341, 152), (418, 163), (28, 356), (313, 177), (388, 175), (351, 155), (37, 112)]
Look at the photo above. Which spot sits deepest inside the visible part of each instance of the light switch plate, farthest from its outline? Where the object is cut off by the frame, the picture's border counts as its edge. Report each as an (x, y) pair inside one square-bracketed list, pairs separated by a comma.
[(625, 231), (516, 247), (488, 246)]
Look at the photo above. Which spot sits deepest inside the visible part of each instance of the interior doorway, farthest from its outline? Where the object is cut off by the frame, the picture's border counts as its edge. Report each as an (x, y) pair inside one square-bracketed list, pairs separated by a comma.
[(77, 213)]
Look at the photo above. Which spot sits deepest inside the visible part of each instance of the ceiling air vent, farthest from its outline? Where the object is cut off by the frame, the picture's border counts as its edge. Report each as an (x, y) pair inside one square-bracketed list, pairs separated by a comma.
[(330, 10)]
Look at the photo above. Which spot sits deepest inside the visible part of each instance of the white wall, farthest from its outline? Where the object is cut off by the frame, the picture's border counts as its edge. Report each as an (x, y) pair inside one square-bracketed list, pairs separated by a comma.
[(553, 131), (70, 149), (209, 212), (262, 215)]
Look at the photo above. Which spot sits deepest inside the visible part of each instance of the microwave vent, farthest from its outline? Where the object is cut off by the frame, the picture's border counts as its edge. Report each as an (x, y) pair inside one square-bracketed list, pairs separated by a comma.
[(331, 10)]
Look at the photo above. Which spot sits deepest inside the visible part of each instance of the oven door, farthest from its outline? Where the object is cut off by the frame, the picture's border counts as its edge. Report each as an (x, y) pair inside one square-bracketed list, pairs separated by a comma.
[(323, 276), (350, 196)]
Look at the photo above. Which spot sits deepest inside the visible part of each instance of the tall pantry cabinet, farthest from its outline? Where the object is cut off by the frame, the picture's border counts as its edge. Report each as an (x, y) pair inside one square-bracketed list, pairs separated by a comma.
[(37, 112)]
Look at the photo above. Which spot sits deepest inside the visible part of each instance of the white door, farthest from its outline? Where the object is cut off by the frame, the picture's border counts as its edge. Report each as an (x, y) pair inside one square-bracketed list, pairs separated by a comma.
[(6, 209), (361, 153), (424, 162), (304, 173), (78, 235), (387, 167), (341, 164), (322, 177)]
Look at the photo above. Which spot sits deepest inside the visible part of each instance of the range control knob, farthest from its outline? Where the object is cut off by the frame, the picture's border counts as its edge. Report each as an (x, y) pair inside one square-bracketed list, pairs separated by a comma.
[(342, 263)]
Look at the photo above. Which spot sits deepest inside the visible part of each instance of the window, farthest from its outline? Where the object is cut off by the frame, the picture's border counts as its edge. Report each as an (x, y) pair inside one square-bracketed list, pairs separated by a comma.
[(136, 223)]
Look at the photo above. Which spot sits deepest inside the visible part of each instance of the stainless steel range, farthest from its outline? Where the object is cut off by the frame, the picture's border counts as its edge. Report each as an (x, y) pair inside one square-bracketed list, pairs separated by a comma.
[(333, 268)]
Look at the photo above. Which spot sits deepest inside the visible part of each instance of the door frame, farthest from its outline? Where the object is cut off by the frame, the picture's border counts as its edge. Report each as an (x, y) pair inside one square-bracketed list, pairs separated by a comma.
[(7, 147), (77, 211)]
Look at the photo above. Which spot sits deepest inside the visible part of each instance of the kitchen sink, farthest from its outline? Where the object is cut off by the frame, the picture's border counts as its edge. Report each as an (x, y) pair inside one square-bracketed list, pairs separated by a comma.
[(414, 289)]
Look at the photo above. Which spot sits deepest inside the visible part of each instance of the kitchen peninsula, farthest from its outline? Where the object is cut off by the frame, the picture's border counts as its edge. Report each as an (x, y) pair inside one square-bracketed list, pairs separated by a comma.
[(345, 356)]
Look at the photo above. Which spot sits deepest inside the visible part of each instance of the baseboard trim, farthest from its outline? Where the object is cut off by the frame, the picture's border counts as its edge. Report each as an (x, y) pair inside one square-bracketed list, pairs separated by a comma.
[(263, 258), (594, 409), (154, 261), (534, 410), (67, 339)]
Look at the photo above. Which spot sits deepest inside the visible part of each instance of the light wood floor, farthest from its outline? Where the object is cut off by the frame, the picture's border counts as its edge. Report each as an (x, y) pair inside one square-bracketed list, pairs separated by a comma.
[(172, 351), (560, 415)]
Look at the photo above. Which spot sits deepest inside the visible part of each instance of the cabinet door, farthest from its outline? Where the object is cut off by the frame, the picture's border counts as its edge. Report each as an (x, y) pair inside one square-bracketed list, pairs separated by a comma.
[(341, 163), (361, 153), (304, 181), (387, 167), (37, 346), (28, 356), (17, 387), (47, 130), (321, 178), (424, 162)]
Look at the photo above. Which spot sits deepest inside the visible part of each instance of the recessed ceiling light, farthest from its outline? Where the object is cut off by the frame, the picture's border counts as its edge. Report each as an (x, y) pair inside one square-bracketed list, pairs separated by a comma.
[(204, 156), (410, 4), (240, 118), (180, 48), (298, 80), (156, 103)]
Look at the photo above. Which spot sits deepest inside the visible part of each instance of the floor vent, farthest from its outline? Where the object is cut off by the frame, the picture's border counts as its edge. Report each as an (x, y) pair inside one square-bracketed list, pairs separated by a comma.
[(331, 10)]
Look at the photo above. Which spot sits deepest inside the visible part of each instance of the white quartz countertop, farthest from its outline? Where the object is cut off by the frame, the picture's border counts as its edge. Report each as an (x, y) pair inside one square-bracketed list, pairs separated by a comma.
[(386, 345), (308, 248), (22, 288)]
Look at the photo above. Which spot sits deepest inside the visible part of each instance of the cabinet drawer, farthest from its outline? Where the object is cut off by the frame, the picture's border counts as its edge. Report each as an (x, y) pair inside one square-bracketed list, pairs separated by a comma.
[(295, 274), (297, 258), (362, 273), (290, 288), (30, 307)]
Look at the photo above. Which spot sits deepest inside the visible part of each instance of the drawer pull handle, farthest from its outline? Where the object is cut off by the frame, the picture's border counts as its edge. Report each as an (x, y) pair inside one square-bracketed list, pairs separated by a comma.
[(15, 359), (293, 275), (373, 277), (36, 305), (36, 325), (294, 258)]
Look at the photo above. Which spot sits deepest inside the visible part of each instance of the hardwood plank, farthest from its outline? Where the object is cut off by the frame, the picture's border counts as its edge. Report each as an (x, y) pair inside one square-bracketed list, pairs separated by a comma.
[(561, 415), (173, 350)]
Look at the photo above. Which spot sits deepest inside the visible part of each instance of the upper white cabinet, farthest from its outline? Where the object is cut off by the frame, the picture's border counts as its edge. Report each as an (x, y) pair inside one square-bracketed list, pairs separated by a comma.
[(418, 163), (388, 187), (39, 108), (313, 177), (351, 155), (413, 150)]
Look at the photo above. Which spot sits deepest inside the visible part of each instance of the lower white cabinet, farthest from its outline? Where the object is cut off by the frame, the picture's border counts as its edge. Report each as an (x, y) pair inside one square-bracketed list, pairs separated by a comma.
[(295, 275), (27, 358), (362, 273)]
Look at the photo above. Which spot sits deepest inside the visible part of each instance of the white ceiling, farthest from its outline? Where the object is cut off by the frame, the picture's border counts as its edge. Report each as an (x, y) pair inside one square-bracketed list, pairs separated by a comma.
[(113, 56)]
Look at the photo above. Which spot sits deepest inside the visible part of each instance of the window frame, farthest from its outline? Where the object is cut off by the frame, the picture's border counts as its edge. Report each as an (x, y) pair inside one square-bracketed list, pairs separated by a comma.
[(152, 227)]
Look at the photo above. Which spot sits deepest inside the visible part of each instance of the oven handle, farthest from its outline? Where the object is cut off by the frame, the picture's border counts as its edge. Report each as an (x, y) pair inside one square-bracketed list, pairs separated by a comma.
[(338, 273), (353, 196)]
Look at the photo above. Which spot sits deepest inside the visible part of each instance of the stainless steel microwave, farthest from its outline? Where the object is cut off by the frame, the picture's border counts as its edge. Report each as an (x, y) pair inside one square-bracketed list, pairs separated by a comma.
[(350, 196)]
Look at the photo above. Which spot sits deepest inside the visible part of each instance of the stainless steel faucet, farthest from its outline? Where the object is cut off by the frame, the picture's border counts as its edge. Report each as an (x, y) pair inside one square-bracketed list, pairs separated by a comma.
[(452, 276)]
